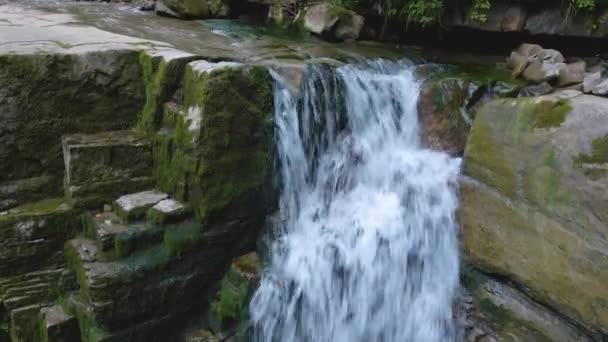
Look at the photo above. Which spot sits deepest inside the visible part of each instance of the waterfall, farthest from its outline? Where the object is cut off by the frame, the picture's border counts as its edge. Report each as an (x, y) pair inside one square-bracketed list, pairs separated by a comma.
[(366, 245)]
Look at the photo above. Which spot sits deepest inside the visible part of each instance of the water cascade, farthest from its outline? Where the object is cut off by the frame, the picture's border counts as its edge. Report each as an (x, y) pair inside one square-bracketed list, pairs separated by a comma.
[(365, 248)]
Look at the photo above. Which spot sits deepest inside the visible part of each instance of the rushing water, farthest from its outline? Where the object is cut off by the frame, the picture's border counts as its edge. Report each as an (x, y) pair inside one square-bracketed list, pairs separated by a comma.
[(367, 246)]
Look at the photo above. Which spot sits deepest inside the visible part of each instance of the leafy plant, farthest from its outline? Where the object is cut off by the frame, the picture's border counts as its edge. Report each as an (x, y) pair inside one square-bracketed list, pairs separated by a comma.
[(479, 11)]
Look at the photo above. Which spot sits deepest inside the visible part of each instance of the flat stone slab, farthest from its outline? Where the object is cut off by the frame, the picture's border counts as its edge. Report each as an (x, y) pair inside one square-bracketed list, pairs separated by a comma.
[(168, 210), (134, 206), (27, 30)]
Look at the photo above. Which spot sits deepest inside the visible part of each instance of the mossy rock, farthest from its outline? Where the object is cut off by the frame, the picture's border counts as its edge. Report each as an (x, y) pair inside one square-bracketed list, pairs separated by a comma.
[(49, 95), (529, 208), (220, 155), (162, 73)]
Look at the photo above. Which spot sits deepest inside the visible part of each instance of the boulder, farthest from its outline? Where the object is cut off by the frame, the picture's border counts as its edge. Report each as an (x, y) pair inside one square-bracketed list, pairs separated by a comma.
[(591, 80), (518, 63), (148, 5), (529, 50), (186, 9), (572, 73), (538, 72), (550, 56), (349, 27), (331, 22), (601, 88), (320, 19), (535, 201)]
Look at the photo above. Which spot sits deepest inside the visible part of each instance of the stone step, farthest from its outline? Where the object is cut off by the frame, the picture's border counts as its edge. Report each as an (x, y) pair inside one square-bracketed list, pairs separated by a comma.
[(169, 211), (56, 325), (134, 206), (102, 166), (117, 239), (164, 278)]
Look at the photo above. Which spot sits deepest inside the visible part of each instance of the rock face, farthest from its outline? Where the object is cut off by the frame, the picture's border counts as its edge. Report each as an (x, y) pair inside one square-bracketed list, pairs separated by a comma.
[(216, 152), (101, 166), (112, 116), (54, 81), (534, 201), (528, 16)]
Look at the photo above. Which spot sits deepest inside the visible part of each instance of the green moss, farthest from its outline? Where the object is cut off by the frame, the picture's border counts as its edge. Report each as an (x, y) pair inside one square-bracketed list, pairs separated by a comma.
[(76, 265), (231, 304), (547, 114), (154, 74), (485, 161), (545, 182), (599, 152), (594, 165), (44, 207), (236, 136), (53, 94), (63, 44), (182, 238)]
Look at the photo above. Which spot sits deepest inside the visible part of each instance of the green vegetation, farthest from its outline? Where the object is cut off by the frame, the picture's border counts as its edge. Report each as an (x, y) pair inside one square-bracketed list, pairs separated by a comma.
[(428, 12), (180, 239), (592, 164), (550, 114)]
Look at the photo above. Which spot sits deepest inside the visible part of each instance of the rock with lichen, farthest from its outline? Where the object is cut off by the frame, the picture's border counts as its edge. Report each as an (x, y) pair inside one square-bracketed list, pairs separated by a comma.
[(534, 201)]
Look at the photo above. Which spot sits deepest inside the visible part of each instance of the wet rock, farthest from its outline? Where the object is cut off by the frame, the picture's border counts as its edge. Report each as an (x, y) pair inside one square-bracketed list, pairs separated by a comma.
[(571, 74), (535, 90), (501, 312), (134, 206), (535, 200), (444, 119)]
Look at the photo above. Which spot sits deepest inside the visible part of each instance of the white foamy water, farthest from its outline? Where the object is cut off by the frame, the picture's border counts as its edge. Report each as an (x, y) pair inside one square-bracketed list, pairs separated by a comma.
[(367, 245)]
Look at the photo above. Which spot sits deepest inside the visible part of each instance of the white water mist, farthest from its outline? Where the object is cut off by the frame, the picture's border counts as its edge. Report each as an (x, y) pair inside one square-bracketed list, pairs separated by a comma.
[(367, 244)]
